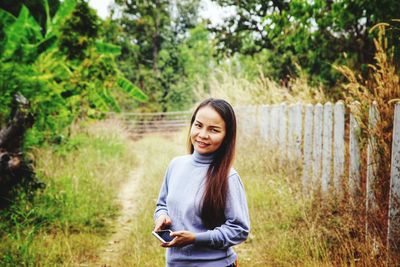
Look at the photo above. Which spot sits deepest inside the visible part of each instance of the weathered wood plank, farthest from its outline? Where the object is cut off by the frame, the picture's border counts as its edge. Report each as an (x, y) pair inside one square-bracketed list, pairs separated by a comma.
[(393, 240), (282, 135), (327, 148), (338, 148), (265, 124), (317, 145), (307, 147), (354, 159)]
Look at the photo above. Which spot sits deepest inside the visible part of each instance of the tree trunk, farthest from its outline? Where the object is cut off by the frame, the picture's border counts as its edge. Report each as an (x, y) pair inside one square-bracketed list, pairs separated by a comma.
[(13, 169)]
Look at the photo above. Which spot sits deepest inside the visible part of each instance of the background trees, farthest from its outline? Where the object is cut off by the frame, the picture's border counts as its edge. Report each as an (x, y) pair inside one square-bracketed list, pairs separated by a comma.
[(156, 46), (312, 34), (62, 67)]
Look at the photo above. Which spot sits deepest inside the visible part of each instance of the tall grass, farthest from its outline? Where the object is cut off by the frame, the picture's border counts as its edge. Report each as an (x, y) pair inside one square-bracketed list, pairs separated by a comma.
[(69, 220), (239, 90), (287, 228), (383, 87), (141, 248)]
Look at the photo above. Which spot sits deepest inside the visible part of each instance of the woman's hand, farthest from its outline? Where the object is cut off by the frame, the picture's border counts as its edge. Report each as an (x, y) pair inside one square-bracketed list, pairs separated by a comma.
[(181, 239), (162, 222)]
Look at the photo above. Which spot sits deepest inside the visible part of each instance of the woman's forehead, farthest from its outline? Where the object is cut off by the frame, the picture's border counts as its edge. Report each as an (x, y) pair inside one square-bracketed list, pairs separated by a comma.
[(208, 115)]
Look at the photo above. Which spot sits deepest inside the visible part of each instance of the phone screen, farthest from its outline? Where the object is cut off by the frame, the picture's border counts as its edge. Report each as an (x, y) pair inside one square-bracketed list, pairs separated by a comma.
[(164, 234)]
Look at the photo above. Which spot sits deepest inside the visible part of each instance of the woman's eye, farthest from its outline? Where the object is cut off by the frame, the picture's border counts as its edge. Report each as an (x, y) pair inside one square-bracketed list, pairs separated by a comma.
[(214, 131), (197, 125)]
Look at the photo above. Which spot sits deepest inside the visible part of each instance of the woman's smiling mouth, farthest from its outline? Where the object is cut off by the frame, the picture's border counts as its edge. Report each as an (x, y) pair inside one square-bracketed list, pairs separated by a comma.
[(201, 144)]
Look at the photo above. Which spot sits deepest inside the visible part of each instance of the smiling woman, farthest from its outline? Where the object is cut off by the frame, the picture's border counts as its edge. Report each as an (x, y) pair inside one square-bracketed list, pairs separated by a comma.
[(202, 198), (207, 131)]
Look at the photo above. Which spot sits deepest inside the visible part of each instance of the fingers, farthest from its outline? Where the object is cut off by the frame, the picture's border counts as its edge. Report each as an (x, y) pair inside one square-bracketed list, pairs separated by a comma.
[(170, 244), (177, 233), (163, 221), (167, 221), (157, 227)]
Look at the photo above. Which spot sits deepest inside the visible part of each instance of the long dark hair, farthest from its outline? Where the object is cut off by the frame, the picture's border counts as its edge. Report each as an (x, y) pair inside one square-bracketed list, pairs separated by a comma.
[(216, 187)]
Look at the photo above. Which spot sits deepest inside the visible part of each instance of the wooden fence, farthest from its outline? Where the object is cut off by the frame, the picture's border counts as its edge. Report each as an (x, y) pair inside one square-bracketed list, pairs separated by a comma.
[(314, 135), (140, 124)]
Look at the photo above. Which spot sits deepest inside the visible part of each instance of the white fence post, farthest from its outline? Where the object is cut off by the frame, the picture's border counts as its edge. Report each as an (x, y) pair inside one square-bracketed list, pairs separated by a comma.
[(307, 147), (338, 148), (297, 130), (317, 146), (393, 239), (371, 205), (354, 159), (274, 130), (252, 119), (265, 123), (290, 132), (282, 136), (327, 148)]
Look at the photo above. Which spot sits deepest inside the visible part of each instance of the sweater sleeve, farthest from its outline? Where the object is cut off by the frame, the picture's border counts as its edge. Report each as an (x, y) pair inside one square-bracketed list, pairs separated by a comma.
[(161, 205), (237, 225)]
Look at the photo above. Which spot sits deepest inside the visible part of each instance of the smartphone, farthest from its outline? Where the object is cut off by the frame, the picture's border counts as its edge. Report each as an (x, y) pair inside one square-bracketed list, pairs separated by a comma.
[(163, 235)]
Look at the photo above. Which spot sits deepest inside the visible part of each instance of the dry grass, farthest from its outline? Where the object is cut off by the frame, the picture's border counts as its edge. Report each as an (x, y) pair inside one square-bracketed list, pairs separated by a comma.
[(382, 87), (239, 91), (287, 227), (71, 219)]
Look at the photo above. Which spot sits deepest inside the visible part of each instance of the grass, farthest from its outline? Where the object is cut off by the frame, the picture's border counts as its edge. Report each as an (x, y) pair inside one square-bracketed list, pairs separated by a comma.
[(70, 219), (382, 85), (238, 90), (287, 228), (282, 233), (141, 248)]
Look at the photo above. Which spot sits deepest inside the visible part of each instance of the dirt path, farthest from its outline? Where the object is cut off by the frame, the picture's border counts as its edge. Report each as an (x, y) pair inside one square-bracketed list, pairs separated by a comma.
[(126, 197)]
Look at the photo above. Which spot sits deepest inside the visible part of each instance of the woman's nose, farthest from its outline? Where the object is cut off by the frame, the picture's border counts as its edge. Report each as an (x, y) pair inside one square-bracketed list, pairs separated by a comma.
[(203, 134)]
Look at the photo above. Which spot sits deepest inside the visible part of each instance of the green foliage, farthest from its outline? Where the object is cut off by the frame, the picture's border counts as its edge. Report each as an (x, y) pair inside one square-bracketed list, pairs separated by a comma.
[(195, 55), (107, 49), (79, 32), (70, 219), (131, 89), (66, 72), (311, 34), (154, 44)]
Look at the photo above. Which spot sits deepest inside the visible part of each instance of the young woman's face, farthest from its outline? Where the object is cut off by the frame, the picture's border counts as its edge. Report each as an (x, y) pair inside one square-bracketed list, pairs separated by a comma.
[(208, 130)]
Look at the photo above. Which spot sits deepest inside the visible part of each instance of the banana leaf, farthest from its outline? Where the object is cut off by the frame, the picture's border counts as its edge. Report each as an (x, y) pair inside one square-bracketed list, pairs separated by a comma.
[(25, 30), (131, 89), (107, 48)]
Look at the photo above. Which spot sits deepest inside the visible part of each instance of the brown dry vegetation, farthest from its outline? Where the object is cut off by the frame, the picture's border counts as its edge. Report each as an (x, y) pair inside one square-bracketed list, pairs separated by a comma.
[(382, 87)]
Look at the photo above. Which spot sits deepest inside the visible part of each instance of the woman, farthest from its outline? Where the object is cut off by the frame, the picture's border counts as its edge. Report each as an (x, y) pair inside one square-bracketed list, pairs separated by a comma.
[(202, 199)]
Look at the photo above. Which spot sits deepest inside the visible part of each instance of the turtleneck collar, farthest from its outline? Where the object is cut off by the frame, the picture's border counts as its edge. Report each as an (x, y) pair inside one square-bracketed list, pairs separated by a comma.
[(202, 158)]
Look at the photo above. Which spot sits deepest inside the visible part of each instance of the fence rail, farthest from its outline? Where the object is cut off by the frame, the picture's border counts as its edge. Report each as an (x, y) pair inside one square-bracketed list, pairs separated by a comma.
[(140, 124)]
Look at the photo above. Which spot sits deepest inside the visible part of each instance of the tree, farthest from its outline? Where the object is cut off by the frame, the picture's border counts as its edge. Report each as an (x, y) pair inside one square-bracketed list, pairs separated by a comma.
[(151, 35), (62, 85), (65, 85), (312, 34)]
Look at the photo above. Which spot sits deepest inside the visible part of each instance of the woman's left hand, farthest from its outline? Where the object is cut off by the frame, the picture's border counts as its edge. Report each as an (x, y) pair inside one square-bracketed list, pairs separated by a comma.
[(181, 239)]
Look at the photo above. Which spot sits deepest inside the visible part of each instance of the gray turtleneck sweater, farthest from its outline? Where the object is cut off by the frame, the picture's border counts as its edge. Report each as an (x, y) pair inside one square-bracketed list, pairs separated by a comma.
[(180, 198)]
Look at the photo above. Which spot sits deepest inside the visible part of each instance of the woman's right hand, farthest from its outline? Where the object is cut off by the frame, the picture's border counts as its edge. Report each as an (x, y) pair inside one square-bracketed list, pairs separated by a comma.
[(162, 222)]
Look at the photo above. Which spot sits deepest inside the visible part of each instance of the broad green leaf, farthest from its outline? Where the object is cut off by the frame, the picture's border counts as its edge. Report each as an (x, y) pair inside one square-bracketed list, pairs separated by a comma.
[(46, 44), (47, 10), (6, 18), (109, 100), (97, 99), (65, 9), (133, 90), (25, 30), (107, 48)]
